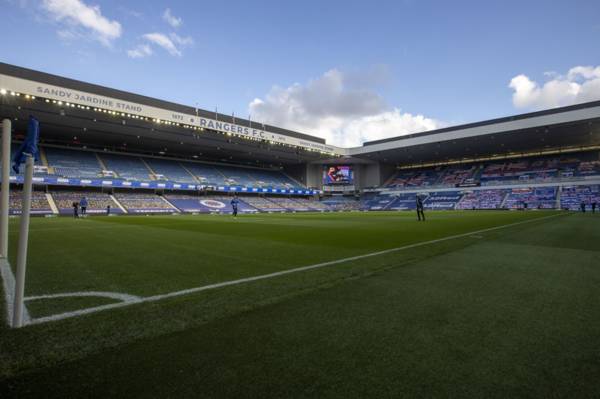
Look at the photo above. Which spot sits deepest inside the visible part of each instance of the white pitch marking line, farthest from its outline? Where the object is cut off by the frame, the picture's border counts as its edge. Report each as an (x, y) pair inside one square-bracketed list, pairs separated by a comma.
[(105, 294), (155, 298), (8, 282)]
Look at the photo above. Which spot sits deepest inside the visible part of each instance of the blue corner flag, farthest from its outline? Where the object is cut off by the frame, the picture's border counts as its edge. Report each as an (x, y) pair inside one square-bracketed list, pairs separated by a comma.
[(29, 146)]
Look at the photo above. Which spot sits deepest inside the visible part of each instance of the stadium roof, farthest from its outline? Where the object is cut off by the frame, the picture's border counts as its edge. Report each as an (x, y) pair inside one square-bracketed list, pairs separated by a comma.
[(576, 126), (83, 114)]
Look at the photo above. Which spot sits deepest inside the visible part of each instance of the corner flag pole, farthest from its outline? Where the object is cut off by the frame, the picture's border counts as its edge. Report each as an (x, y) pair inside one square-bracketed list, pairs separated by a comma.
[(27, 152), (23, 242), (4, 196)]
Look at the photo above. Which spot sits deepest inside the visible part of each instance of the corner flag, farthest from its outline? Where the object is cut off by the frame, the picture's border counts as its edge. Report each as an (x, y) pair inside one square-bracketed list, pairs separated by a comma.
[(29, 146), (27, 152)]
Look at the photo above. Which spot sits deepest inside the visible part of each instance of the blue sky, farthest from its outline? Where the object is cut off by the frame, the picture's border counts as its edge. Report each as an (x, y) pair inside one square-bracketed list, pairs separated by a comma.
[(347, 70)]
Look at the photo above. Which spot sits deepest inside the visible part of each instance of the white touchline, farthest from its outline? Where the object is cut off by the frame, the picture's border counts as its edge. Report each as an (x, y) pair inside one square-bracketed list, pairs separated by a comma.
[(155, 298), (8, 282)]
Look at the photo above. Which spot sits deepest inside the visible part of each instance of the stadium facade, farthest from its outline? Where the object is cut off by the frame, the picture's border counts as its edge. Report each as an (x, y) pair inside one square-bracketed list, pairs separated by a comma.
[(144, 155)]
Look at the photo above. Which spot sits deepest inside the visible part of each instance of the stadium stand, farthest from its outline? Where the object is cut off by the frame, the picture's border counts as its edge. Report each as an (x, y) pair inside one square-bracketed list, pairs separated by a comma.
[(97, 201), (243, 204), (531, 198), (442, 200), (340, 203), (377, 202), (207, 203), (206, 174), (547, 169), (264, 204), (39, 203), (454, 176), (483, 199), (572, 197), (73, 163), (404, 202), (144, 203), (416, 178), (311, 205), (171, 170), (126, 167)]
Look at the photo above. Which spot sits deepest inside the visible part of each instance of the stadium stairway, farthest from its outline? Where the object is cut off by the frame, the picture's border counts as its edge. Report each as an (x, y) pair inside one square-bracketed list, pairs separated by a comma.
[(152, 172), (52, 203), (44, 160), (101, 162), (170, 204), (194, 178), (116, 201), (292, 179)]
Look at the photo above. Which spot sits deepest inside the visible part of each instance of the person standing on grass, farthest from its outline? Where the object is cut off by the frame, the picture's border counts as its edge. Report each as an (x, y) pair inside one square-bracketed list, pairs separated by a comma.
[(420, 213), (234, 205), (594, 207), (75, 209), (582, 206), (83, 204), (107, 210)]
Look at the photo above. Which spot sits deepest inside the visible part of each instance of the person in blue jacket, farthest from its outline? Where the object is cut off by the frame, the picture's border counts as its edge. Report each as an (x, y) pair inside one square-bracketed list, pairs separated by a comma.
[(83, 204), (234, 205)]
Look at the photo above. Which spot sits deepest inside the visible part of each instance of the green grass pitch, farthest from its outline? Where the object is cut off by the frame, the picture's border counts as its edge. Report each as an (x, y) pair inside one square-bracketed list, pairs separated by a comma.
[(511, 310)]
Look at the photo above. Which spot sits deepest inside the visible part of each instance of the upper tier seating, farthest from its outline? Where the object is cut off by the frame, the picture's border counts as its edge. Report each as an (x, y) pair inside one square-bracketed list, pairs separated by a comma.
[(546, 169), (459, 175), (171, 170), (206, 174), (416, 178), (73, 163), (126, 167)]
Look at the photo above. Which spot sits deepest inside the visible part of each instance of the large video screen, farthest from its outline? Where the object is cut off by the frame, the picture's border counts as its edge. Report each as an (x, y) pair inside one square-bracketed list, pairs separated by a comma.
[(338, 174)]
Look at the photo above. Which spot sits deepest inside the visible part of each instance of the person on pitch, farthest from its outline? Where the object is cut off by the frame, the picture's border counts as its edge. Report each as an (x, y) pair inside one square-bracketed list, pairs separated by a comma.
[(420, 208), (234, 205), (83, 204)]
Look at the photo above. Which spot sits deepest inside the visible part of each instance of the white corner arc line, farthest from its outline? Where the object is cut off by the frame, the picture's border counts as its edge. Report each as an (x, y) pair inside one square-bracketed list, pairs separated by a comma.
[(105, 294), (155, 298)]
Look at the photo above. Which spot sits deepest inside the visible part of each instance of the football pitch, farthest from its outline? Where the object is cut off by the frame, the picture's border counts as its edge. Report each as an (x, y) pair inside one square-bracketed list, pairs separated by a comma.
[(466, 304)]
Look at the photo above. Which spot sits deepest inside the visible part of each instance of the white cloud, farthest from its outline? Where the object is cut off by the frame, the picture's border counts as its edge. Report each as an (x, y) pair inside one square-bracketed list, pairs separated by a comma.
[(183, 41), (341, 107), (172, 43), (78, 15), (142, 50), (171, 19), (580, 84), (163, 41)]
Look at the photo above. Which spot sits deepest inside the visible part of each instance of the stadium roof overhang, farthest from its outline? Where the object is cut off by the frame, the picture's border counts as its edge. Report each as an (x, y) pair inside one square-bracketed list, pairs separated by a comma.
[(561, 129), (79, 114)]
